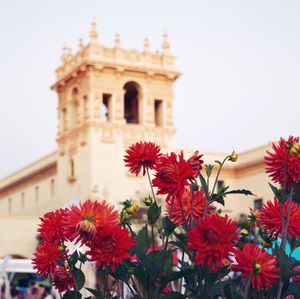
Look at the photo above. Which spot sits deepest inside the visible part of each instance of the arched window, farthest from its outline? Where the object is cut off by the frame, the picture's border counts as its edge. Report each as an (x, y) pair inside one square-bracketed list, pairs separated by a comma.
[(74, 108), (85, 107), (132, 98), (72, 168)]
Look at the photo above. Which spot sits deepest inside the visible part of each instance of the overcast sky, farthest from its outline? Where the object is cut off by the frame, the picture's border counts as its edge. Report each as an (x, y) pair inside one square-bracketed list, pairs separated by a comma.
[(240, 61)]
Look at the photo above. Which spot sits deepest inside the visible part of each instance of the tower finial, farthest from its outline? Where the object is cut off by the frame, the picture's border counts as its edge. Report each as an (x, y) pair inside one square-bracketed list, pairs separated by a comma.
[(146, 45), (94, 33), (117, 41), (64, 54), (165, 44), (80, 44)]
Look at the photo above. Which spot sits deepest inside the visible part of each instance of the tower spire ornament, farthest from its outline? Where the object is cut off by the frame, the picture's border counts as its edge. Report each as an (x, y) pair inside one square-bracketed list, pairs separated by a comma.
[(80, 44), (165, 44), (64, 54), (117, 41), (146, 45), (94, 33)]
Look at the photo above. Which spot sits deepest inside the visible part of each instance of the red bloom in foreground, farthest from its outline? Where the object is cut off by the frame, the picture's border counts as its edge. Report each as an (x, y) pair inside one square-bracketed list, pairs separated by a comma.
[(142, 155), (256, 263), (51, 227), (270, 217), (46, 256), (276, 161), (63, 280), (192, 207), (296, 278), (195, 161), (111, 247), (82, 223), (213, 240), (173, 173)]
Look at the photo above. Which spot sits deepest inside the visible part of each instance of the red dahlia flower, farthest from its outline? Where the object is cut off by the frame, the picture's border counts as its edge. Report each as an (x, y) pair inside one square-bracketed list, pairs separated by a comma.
[(256, 263), (110, 247), (195, 161), (193, 208), (270, 217), (296, 278), (276, 163), (213, 240), (46, 256), (173, 173), (142, 155), (82, 223), (51, 227), (63, 280)]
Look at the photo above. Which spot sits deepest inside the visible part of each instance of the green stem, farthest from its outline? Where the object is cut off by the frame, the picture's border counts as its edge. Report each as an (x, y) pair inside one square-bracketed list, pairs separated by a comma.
[(214, 187), (152, 237), (164, 255), (221, 286), (149, 179)]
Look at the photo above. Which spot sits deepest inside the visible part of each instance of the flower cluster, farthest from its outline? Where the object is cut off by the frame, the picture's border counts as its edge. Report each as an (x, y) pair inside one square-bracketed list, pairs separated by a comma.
[(92, 224), (194, 240)]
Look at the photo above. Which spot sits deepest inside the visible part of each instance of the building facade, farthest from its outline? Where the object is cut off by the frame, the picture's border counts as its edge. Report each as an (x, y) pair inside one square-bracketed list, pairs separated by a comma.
[(108, 98)]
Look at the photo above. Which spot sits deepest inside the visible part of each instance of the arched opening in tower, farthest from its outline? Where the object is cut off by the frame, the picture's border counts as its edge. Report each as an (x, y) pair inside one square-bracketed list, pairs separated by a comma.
[(132, 98), (74, 108)]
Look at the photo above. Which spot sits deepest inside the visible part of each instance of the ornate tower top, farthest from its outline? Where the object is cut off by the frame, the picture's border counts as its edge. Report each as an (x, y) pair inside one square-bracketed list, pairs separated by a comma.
[(116, 58), (120, 95)]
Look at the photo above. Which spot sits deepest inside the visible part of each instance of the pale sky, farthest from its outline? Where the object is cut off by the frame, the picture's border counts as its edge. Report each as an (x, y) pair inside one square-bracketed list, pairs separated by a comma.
[(240, 61)]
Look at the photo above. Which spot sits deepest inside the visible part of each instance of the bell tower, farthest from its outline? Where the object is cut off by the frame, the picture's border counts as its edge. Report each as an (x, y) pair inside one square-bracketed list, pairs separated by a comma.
[(109, 98)]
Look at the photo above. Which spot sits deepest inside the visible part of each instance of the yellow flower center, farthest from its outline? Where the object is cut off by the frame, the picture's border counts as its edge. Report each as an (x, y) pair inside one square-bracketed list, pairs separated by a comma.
[(257, 268)]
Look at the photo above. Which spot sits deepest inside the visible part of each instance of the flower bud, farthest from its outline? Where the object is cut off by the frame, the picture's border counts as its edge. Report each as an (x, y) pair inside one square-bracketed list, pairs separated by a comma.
[(265, 244), (233, 157), (148, 201), (244, 232), (61, 247), (132, 209), (295, 148)]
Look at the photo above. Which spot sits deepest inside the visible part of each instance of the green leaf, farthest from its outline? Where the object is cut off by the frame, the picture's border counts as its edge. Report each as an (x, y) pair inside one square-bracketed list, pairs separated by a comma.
[(142, 240), (79, 278), (173, 295), (277, 192), (218, 198), (240, 191), (296, 196), (141, 275), (72, 295), (204, 185), (153, 213), (151, 268), (285, 264), (60, 263), (82, 257), (179, 274), (168, 225), (96, 293), (208, 169), (73, 259), (218, 162)]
